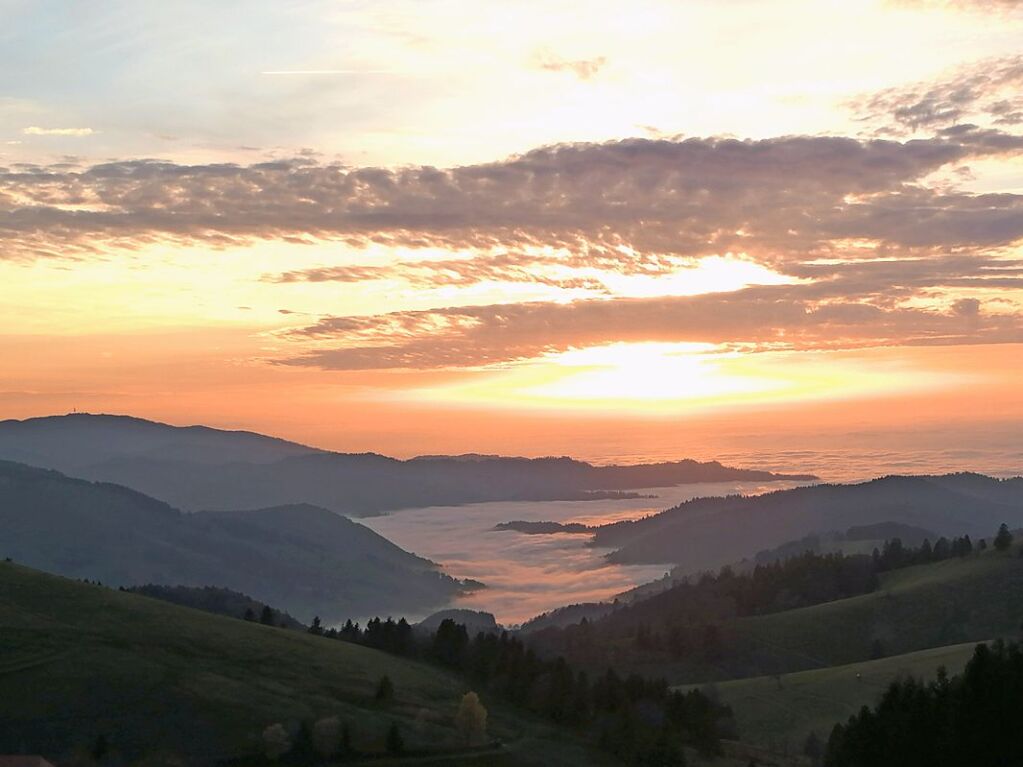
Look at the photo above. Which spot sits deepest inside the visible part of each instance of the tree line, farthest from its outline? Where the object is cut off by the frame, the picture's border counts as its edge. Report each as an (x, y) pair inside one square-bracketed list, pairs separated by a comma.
[(638, 720), (688, 621), (969, 719)]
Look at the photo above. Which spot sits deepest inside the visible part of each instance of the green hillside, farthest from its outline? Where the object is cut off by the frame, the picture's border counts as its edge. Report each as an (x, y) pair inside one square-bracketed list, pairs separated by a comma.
[(955, 601), (781, 711), (78, 661), (935, 605)]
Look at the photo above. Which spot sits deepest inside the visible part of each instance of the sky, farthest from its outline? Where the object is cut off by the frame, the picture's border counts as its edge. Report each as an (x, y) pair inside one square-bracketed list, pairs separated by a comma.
[(533, 227)]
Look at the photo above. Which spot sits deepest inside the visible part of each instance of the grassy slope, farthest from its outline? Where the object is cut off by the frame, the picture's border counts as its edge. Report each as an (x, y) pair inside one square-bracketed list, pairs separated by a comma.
[(949, 602), (779, 712), (78, 660)]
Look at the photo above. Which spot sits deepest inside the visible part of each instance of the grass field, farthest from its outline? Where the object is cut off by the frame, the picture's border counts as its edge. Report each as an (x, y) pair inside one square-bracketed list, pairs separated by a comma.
[(79, 660), (779, 712), (936, 605), (951, 602)]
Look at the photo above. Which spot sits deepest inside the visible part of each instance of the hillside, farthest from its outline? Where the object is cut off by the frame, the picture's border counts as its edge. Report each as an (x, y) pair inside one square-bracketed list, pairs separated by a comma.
[(780, 712), (300, 558), (917, 608), (78, 661), (710, 532), (196, 468), (217, 600)]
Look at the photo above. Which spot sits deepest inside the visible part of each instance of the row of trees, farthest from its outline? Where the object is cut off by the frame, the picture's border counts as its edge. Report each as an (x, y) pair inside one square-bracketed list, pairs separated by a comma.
[(330, 739), (687, 622), (327, 739), (971, 719), (894, 555), (641, 721)]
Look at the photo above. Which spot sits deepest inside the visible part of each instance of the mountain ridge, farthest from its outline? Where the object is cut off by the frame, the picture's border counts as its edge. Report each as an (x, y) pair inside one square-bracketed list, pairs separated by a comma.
[(301, 558), (198, 467), (734, 527)]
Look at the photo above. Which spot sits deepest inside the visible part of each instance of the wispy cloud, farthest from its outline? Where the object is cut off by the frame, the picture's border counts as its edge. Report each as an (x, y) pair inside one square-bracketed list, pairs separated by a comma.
[(781, 200), (584, 69), (791, 317), (328, 72), (989, 92), (35, 130), (872, 254)]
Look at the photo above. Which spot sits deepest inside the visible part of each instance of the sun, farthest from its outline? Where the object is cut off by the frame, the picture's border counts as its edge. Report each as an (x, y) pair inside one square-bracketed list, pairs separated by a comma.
[(660, 377)]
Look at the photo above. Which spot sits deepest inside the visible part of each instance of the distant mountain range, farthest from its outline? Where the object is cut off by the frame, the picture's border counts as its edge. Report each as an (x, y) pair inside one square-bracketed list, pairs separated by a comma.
[(710, 532), (302, 558), (196, 468)]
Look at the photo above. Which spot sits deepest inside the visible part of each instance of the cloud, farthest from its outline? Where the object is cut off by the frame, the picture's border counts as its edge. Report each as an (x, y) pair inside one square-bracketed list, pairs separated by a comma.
[(314, 72), (584, 69), (879, 257), (754, 319), (976, 6), (989, 91), (35, 130), (633, 201), (840, 305), (515, 267)]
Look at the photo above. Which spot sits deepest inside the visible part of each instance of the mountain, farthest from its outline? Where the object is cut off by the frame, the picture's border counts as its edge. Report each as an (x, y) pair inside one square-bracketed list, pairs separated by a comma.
[(195, 468), (475, 621), (169, 685), (301, 558), (710, 532), (78, 440)]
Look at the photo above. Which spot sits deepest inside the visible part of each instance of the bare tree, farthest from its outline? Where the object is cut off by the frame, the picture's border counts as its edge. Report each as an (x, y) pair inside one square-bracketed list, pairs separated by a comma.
[(276, 742)]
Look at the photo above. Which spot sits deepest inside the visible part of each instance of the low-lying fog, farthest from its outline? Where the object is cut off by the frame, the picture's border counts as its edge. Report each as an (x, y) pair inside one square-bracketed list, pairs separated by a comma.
[(530, 574)]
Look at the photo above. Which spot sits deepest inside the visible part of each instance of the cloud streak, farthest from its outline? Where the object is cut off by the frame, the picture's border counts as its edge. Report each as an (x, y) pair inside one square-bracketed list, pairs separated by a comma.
[(878, 256), (689, 198), (756, 319), (990, 91), (35, 130), (848, 305), (583, 69)]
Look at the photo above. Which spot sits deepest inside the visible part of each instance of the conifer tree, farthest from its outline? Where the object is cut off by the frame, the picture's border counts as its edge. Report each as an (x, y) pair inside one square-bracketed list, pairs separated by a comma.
[(395, 742), (1004, 538)]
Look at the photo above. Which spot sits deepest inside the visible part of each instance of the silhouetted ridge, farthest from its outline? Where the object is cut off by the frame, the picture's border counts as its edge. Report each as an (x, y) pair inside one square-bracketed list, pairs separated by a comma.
[(197, 467), (301, 558), (709, 532)]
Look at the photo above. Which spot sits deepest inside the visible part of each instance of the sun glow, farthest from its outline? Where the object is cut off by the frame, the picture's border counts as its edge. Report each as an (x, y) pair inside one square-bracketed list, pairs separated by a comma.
[(661, 378)]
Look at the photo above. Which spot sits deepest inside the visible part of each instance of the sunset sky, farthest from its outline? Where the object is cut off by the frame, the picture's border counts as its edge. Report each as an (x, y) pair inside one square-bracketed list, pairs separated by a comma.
[(441, 226)]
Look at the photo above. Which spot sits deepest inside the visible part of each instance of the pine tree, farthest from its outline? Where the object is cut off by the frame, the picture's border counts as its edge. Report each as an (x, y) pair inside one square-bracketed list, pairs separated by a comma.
[(385, 690), (317, 626), (100, 748), (266, 617), (812, 749), (1004, 538), (395, 743), (926, 552)]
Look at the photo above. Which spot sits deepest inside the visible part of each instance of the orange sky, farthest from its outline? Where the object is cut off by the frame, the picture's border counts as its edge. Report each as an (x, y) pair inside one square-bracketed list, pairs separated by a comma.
[(538, 230)]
